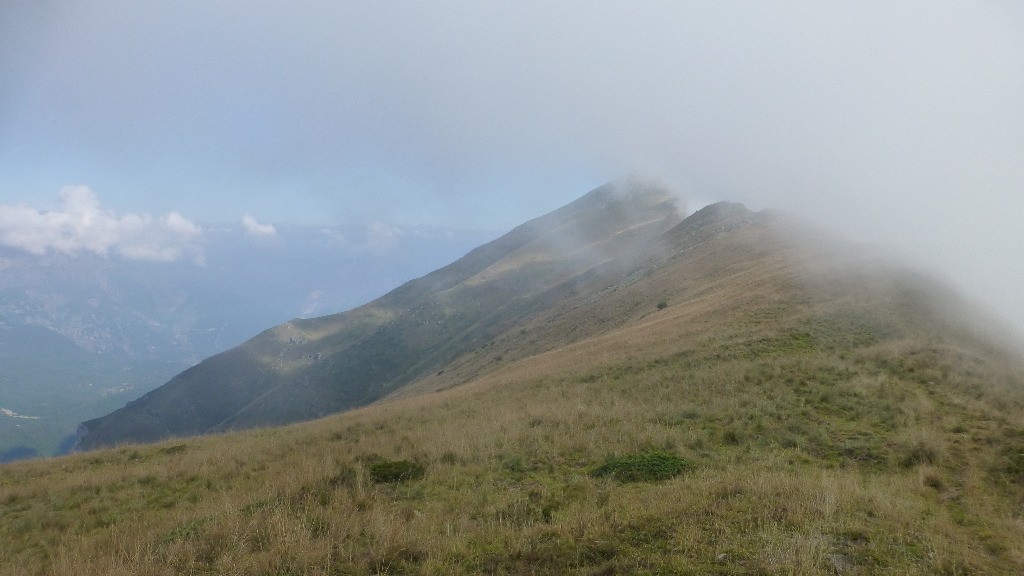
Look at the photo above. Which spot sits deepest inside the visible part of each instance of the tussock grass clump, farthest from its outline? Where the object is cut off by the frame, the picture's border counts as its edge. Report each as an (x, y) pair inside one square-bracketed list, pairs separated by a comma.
[(1009, 466), (642, 467), (392, 471)]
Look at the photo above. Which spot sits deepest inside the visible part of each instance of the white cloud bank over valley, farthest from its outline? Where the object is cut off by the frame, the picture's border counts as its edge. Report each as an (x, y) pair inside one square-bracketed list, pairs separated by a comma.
[(82, 225)]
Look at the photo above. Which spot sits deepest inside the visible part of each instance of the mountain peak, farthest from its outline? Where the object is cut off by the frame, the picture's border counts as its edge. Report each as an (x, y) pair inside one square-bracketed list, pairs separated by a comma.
[(723, 210), (310, 368)]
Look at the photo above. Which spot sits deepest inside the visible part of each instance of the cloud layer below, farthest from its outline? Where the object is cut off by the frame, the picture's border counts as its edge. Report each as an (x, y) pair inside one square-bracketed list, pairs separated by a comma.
[(82, 225)]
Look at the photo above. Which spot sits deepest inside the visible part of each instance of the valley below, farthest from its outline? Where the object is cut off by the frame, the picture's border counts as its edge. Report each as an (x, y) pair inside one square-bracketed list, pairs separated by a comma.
[(81, 335)]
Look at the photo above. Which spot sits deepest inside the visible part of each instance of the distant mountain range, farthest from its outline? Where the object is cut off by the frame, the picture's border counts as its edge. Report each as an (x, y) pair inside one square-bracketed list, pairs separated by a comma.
[(575, 273), (81, 335)]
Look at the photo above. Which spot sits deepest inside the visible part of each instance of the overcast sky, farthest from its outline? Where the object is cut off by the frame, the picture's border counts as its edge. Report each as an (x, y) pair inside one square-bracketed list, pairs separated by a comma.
[(900, 123)]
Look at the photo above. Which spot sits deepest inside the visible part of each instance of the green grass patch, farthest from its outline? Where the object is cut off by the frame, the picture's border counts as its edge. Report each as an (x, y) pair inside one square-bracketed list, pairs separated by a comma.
[(1009, 466), (642, 467), (392, 471)]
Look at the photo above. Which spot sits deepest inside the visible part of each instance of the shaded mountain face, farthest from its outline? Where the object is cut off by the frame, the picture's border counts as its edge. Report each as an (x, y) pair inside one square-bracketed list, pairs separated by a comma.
[(593, 267)]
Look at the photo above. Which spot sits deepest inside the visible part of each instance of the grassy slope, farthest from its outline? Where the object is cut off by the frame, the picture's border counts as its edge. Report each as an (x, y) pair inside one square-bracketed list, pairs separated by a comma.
[(834, 421)]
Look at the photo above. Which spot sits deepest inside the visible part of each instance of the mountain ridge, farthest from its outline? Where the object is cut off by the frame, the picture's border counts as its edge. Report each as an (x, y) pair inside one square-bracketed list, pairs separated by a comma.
[(412, 330), (548, 283)]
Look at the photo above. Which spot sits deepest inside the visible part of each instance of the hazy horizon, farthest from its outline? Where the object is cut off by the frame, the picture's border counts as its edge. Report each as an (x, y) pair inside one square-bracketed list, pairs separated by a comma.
[(124, 128)]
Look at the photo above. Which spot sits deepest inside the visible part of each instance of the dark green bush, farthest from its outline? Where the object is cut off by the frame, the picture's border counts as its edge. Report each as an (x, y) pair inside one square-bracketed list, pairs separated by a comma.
[(643, 467), (1010, 464), (388, 471)]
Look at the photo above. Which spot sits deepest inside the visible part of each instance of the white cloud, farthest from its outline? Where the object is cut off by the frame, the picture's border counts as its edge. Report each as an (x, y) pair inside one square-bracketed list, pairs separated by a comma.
[(176, 222), (82, 225), (314, 304), (381, 237), (336, 237), (255, 228), (377, 238)]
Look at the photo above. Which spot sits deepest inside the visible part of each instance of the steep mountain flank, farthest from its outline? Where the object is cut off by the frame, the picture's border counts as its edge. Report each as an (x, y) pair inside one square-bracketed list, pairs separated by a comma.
[(309, 368)]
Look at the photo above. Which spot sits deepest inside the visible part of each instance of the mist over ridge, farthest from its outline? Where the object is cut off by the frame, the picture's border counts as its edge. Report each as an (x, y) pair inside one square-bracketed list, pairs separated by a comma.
[(895, 123)]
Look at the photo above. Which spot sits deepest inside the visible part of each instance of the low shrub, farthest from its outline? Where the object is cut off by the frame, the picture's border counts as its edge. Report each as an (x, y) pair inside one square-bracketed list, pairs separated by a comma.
[(390, 471), (643, 467)]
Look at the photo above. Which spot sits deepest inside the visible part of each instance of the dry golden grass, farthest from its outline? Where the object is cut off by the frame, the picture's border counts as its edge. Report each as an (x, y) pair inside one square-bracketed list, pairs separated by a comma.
[(901, 479)]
